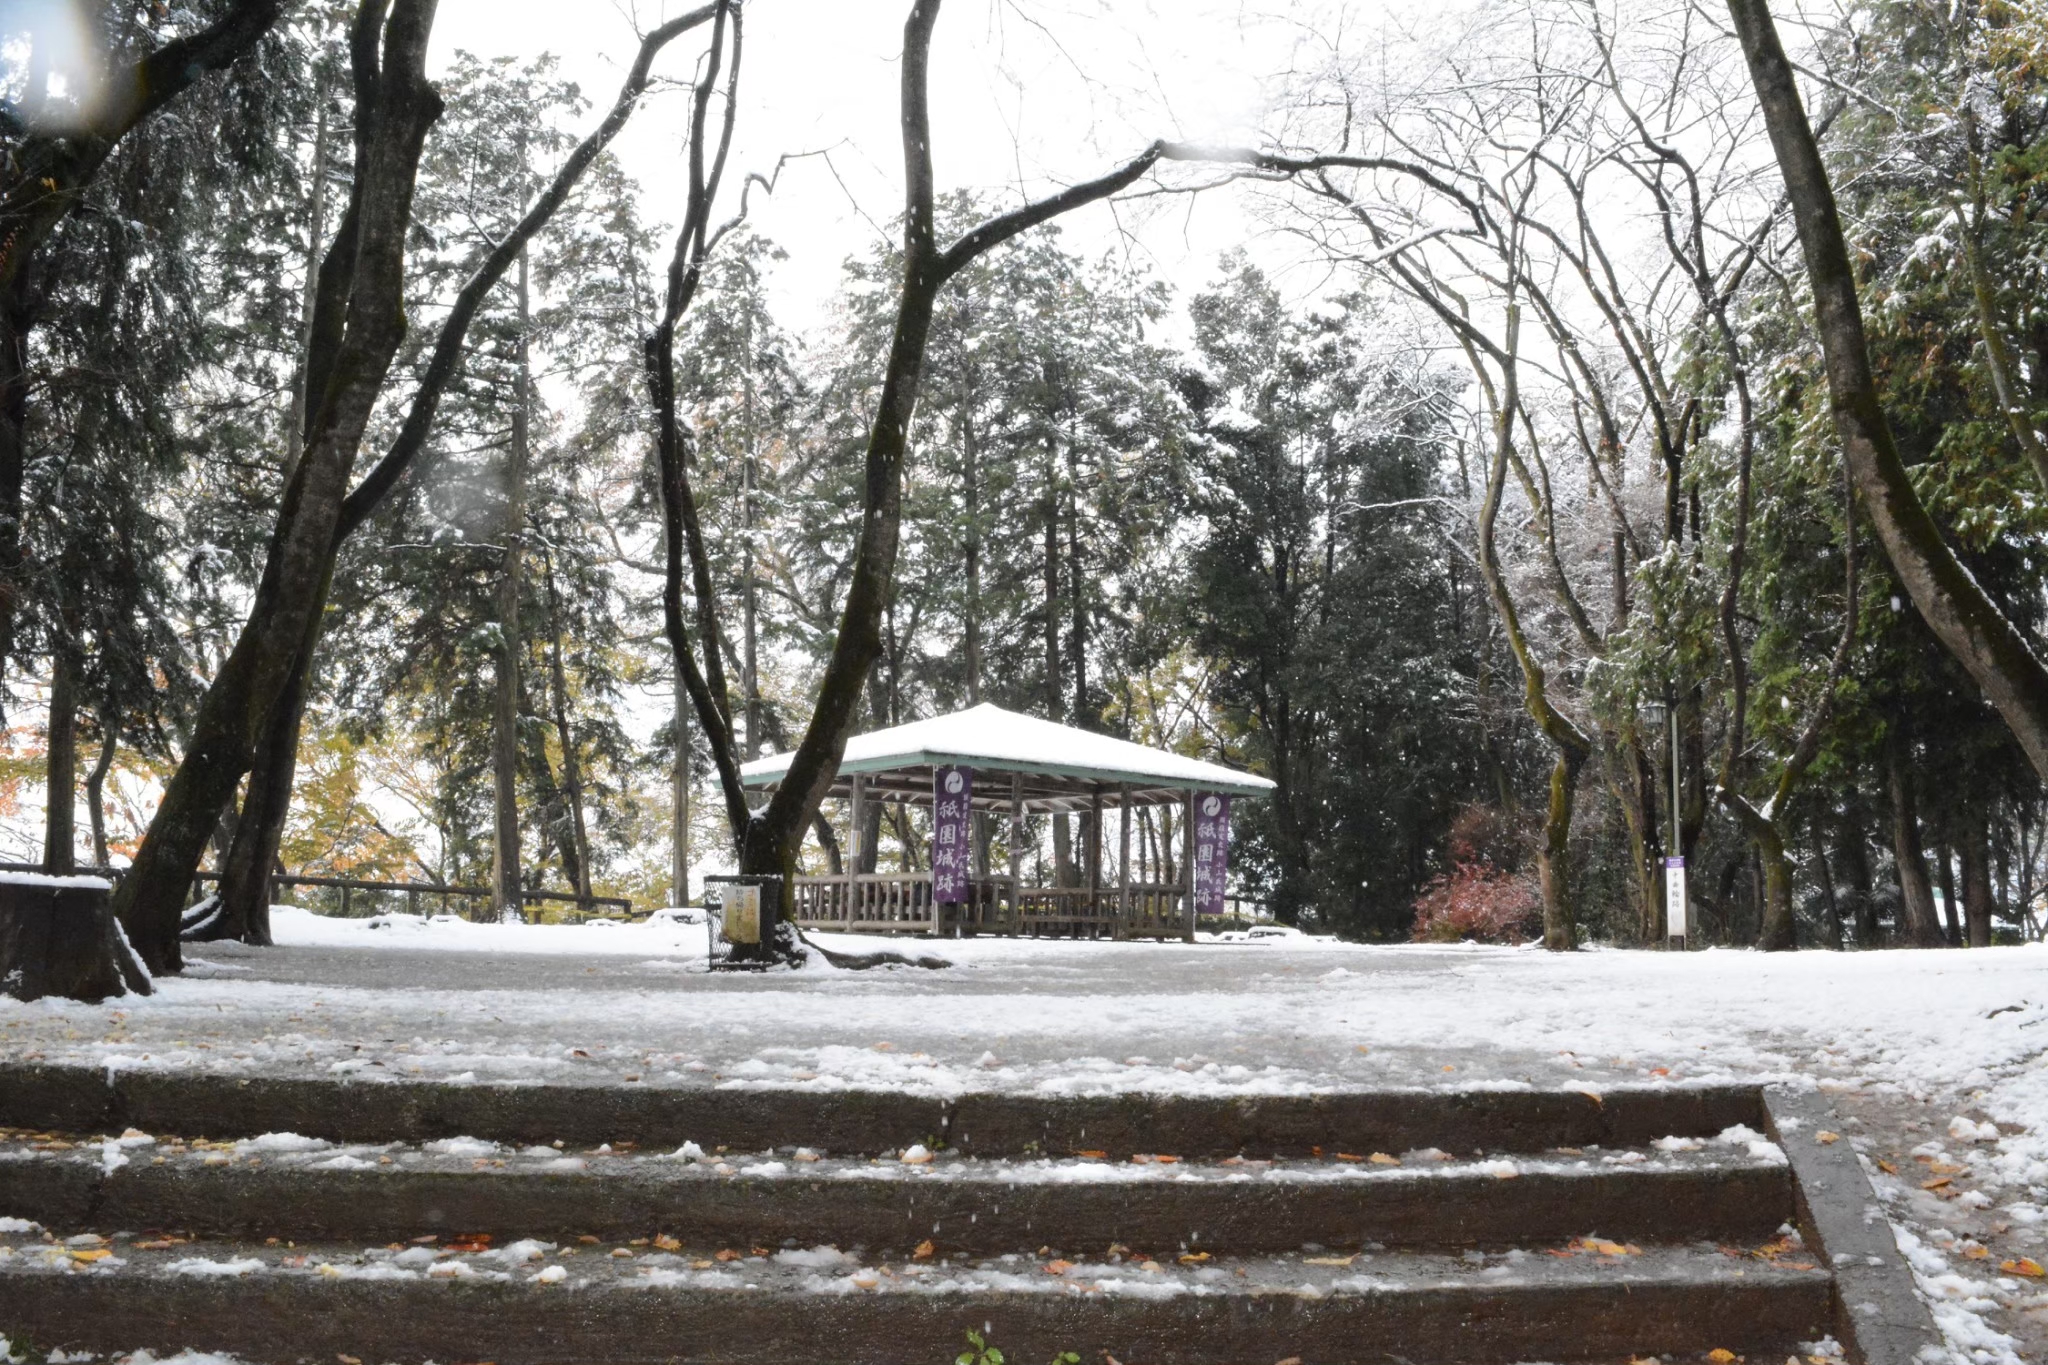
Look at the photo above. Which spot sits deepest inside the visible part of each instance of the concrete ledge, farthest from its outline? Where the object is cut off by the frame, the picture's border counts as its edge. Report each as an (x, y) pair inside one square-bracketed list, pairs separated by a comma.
[(81, 1099), (982, 1214), (276, 1318), (1878, 1312)]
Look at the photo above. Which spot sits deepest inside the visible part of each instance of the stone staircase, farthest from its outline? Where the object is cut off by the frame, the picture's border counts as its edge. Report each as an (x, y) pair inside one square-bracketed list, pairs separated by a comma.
[(414, 1222)]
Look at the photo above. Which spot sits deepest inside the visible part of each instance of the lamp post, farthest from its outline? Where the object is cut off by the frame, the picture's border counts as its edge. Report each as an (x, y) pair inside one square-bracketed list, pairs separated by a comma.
[(1674, 860)]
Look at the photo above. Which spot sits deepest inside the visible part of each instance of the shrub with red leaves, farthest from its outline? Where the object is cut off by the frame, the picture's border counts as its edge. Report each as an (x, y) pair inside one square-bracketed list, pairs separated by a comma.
[(1478, 902)]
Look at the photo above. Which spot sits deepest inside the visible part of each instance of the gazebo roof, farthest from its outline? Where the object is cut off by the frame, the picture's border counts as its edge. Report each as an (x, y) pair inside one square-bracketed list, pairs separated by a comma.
[(1058, 767)]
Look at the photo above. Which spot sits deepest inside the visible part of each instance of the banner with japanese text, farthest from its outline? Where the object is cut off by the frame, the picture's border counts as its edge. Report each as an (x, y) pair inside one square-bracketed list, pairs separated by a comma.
[(1212, 851), (952, 801)]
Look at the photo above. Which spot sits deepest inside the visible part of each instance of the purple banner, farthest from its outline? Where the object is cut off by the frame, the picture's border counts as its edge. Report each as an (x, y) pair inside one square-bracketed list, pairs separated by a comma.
[(1212, 851), (952, 800)]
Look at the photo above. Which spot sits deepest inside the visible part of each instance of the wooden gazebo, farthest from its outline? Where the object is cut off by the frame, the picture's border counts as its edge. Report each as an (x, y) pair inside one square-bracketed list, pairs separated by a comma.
[(1022, 766)]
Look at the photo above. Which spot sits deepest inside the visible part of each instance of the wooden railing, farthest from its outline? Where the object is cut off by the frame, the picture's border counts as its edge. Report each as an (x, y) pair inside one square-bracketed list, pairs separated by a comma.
[(901, 903), (586, 907)]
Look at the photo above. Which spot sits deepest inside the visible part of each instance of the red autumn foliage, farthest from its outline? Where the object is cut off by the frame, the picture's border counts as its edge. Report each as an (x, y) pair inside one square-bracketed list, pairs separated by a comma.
[(1478, 902)]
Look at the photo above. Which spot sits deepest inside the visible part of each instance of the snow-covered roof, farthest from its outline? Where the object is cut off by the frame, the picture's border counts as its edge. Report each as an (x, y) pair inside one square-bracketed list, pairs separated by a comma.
[(991, 739)]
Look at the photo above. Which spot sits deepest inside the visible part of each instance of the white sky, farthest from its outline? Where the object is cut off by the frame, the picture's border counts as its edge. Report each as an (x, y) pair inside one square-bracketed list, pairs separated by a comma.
[(1026, 94)]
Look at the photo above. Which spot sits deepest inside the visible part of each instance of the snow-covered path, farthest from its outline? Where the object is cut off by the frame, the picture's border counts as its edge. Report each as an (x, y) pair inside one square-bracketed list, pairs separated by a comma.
[(1931, 1033)]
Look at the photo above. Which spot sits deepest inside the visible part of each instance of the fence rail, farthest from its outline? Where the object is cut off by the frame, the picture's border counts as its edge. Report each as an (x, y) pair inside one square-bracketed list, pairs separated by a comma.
[(901, 903), (348, 886)]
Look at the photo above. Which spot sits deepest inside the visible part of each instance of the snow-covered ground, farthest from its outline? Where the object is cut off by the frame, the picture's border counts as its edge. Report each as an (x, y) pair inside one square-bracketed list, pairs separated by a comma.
[(1911, 1040)]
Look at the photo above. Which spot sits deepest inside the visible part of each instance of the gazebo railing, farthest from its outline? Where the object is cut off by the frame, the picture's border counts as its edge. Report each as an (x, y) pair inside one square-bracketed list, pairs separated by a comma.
[(901, 903)]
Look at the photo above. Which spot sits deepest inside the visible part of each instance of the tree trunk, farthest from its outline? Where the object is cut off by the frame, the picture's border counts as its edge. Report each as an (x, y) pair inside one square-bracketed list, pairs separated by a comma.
[(1825, 877), (971, 482), (1776, 922), (16, 317), (252, 856), (1055, 691), (1852, 851), (572, 763), (1954, 606), (1944, 864), (750, 680), (1919, 925), (1977, 895), (60, 764), (316, 235), (96, 786), (245, 886), (680, 780), (1553, 860), (506, 883)]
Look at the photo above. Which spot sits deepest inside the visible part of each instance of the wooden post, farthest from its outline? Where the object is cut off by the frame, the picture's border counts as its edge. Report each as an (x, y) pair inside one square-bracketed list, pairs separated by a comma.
[(1123, 860), (856, 831), (1016, 850), (1187, 863), (1095, 861)]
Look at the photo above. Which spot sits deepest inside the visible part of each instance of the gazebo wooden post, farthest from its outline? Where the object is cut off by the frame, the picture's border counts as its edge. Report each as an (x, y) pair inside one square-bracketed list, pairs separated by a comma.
[(1123, 860), (1016, 851), (857, 806), (1094, 861), (1187, 863)]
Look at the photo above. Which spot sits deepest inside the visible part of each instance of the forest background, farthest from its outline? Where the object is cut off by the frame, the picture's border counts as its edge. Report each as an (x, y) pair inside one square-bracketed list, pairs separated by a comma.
[(1217, 467)]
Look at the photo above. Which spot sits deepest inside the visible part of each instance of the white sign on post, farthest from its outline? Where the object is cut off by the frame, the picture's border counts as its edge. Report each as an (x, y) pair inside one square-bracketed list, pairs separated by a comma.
[(1674, 897)]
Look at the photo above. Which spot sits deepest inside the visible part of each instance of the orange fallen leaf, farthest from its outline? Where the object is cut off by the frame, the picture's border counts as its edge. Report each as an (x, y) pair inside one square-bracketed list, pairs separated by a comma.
[(1058, 1267), (1382, 1159), (1824, 1137), (924, 1250), (1887, 1167), (1660, 1071), (1722, 1356), (1977, 1253), (1348, 1156), (728, 1254), (470, 1241), (2024, 1265), (1937, 1183), (1093, 1154), (1194, 1258), (664, 1242)]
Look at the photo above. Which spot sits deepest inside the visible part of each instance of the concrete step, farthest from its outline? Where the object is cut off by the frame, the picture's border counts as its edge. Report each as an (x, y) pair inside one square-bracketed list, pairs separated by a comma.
[(526, 1304), (80, 1099), (305, 1188)]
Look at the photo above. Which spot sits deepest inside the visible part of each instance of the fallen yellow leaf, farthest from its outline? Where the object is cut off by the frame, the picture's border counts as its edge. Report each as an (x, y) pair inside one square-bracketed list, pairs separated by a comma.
[(1058, 1267), (1198, 1257), (2025, 1265), (1722, 1356), (1824, 1137), (1382, 1159), (1328, 1260), (101, 1253), (924, 1250), (664, 1242)]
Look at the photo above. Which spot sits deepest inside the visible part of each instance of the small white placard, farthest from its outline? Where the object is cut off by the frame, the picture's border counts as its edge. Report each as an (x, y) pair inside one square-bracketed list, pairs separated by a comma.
[(1674, 897)]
